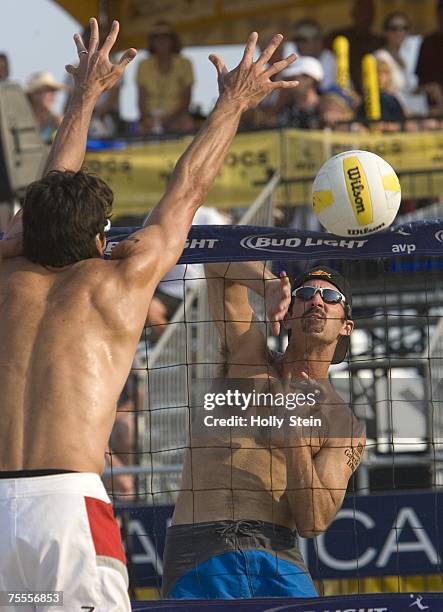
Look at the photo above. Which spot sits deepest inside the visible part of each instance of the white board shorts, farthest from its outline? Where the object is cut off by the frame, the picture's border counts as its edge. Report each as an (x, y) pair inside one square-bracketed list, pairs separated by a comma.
[(58, 533)]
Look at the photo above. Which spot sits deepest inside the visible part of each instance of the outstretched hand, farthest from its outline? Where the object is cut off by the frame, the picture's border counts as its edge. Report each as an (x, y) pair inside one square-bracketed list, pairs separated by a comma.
[(250, 81), (277, 301), (95, 72)]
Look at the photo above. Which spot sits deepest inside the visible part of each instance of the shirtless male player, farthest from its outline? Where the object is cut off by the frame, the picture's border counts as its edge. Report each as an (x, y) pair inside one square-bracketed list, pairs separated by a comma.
[(69, 327), (246, 489)]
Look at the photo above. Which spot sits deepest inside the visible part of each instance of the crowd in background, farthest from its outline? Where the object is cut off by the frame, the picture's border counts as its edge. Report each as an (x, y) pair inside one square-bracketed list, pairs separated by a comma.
[(409, 70)]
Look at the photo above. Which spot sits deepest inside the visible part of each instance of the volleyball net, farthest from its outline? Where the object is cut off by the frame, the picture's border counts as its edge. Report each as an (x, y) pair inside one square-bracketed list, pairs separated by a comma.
[(388, 535)]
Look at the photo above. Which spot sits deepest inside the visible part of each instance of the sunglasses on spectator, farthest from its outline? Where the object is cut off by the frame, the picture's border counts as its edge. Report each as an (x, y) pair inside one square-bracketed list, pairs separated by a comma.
[(329, 296), (398, 28)]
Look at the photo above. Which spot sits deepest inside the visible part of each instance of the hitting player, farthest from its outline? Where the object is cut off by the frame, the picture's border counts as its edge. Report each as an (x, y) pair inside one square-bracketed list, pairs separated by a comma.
[(69, 327), (248, 488)]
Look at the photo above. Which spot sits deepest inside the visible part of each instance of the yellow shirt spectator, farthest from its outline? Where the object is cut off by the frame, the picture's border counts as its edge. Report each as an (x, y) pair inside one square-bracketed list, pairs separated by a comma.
[(165, 89)]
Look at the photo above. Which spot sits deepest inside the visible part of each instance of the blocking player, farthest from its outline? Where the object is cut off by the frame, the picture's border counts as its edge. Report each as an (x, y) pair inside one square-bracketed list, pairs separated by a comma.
[(247, 490), (69, 326)]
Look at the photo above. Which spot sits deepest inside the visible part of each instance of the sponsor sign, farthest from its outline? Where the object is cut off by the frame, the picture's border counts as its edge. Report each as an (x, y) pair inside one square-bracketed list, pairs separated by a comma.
[(372, 535), (213, 243)]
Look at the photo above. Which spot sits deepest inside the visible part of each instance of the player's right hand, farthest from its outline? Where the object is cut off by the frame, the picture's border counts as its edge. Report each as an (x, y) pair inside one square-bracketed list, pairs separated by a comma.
[(250, 82)]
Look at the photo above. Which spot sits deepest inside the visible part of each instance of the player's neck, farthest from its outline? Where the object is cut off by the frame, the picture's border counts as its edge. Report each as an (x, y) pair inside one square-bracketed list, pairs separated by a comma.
[(296, 365)]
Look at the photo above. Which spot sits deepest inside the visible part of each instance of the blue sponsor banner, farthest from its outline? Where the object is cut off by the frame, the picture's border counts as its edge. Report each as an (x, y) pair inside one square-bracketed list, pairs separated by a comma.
[(212, 243), (373, 535), (398, 602)]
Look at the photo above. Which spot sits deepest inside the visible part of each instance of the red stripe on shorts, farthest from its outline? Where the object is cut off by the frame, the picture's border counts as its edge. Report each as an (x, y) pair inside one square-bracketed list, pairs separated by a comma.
[(104, 529)]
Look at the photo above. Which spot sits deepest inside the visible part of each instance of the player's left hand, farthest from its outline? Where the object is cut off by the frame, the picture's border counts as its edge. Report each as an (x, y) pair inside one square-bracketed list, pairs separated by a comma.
[(95, 72)]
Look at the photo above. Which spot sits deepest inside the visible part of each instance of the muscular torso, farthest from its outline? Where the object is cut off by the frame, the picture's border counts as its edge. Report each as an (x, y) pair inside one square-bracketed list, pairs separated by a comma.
[(67, 339), (228, 475)]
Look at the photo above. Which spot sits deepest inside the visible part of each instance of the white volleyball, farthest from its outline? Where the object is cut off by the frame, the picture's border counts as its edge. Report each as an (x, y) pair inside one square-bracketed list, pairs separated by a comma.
[(356, 193)]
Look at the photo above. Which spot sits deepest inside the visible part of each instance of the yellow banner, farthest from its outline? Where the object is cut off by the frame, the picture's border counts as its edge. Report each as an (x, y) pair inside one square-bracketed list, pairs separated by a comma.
[(138, 173)]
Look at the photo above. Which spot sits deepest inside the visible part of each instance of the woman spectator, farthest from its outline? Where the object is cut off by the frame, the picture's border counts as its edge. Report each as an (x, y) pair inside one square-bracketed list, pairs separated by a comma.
[(42, 88), (164, 82), (396, 28)]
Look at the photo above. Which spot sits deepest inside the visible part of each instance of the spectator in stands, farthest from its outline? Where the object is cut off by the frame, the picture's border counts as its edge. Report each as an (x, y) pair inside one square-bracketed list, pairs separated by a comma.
[(403, 83), (300, 105), (390, 104), (361, 39), (429, 66), (308, 38), (164, 82), (42, 89), (336, 109), (4, 67)]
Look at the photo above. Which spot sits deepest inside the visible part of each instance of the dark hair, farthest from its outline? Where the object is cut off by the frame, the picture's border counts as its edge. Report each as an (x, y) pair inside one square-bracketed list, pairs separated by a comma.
[(62, 214), (176, 45), (394, 15)]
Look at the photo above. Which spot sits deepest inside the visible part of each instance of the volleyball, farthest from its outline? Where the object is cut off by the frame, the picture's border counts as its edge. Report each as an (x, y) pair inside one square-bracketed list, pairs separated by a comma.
[(356, 193)]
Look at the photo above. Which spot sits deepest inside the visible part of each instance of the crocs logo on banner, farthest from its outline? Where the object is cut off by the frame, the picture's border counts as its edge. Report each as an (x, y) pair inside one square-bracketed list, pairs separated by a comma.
[(286, 245), (439, 235), (358, 190)]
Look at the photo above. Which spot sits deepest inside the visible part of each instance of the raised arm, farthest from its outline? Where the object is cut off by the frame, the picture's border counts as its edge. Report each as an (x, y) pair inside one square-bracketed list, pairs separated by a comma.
[(237, 324), (156, 248), (94, 75), (317, 478)]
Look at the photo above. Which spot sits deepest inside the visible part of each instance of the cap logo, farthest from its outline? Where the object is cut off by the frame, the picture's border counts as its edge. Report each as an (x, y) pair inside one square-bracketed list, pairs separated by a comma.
[(320, 273)]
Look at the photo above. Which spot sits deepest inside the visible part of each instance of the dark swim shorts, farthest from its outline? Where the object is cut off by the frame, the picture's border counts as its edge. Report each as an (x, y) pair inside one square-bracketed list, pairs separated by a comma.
[(233, 560)]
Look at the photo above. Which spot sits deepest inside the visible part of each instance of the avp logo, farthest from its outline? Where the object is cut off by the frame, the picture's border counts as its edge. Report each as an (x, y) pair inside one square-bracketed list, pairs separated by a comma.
[(403, 248), (439, 235)]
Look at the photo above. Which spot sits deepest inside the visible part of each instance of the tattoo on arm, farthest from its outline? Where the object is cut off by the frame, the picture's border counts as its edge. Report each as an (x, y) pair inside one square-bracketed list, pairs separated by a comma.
[(354, 455)]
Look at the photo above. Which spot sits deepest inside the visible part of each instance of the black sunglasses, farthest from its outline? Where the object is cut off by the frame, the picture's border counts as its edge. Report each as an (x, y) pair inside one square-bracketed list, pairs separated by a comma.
[(329, 296)]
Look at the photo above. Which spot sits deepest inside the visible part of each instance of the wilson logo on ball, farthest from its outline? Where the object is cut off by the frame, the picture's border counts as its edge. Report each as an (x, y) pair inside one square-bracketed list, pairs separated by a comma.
[(358, 191)]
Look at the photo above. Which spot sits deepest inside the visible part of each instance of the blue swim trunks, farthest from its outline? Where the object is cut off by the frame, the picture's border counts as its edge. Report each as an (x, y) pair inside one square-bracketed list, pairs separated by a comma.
[(233, 560)]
